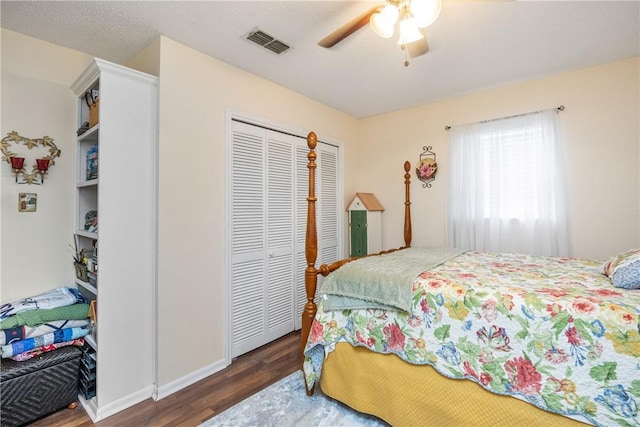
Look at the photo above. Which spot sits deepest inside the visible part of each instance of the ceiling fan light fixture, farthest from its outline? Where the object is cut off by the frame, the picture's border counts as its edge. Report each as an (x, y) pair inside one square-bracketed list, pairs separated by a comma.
[(384, 21), (425, 12), (409, 32)]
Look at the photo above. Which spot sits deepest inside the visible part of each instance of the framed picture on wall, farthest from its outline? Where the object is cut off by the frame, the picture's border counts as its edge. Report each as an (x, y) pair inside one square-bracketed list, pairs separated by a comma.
[(27, 202)]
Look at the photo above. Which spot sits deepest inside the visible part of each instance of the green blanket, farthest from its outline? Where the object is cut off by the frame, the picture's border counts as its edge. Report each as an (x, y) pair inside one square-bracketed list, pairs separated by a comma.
[(383, 281), (40, 315)]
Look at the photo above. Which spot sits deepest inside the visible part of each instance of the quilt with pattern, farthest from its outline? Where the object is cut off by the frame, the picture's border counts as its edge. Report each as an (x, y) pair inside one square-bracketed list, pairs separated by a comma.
[(549, 330)]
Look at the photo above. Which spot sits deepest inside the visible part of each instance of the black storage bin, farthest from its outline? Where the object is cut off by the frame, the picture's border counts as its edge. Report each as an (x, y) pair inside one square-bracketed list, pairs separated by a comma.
[(38, 386)]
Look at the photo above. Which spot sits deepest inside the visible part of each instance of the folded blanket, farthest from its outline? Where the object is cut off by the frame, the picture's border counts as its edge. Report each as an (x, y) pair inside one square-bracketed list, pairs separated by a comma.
[(21, 357), (40, 316), (68, 334), (58, 297), (384, 280), (19, 333)]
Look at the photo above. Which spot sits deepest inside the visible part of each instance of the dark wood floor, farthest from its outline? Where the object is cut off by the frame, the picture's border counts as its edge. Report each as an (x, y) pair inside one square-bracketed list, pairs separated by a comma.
[(197, 403)]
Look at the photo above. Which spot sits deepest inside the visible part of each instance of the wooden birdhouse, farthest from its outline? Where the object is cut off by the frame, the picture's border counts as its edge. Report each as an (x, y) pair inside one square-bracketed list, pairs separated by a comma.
[(365, 224)]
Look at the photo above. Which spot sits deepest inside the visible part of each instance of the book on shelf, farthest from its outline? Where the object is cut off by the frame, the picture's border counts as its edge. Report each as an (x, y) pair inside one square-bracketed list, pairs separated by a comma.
[(92, 162)]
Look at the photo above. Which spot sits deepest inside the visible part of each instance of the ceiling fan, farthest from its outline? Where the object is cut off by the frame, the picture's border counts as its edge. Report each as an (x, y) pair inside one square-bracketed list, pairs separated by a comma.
[(412, 15)]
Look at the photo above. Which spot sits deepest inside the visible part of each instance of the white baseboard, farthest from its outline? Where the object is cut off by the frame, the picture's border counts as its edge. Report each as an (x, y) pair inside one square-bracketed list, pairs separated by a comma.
[(177, 385), (156, 393), (89, 407), (100, 413)]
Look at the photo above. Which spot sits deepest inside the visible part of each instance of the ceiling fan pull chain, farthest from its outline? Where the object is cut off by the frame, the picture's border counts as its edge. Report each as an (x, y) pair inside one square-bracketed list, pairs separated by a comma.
[(406, 55)]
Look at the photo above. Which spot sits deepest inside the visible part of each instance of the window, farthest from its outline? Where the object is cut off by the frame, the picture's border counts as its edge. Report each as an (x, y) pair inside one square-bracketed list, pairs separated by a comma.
[(508, 185)]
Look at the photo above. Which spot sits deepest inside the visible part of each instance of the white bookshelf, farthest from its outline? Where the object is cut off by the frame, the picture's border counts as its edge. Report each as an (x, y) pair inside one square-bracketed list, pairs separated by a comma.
[(123, 194)]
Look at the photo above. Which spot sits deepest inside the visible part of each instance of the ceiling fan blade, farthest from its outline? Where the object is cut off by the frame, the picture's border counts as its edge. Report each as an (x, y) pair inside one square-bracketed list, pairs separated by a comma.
[(348, 28), (418, 48)]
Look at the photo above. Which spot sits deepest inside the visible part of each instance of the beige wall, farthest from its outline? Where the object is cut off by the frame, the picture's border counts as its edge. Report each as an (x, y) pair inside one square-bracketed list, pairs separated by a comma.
[(147, 60), (196, 93), (37, 101), (600, 123)]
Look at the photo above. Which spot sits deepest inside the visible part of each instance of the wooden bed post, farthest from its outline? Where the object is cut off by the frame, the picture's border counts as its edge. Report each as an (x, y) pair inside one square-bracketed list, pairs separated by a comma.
[(311, 247), (407, 206), (311, 244)]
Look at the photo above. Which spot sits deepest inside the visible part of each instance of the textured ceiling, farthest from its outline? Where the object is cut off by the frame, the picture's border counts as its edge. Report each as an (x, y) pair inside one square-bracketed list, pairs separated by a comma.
[(473, 45)]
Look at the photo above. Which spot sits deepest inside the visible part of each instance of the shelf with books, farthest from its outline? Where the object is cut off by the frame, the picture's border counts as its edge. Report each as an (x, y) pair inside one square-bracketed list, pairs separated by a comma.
[(112, 183)]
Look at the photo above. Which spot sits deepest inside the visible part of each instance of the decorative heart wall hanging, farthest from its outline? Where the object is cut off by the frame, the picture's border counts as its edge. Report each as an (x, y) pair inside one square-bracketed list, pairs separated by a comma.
[(41, 164)]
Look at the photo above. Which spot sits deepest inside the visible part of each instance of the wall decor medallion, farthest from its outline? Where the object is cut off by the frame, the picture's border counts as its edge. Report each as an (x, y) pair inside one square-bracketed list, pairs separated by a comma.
[(427, 167), (46, 153)]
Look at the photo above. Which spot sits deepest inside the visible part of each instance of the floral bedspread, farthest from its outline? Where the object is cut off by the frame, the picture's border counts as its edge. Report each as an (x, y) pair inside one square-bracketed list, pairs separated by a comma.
[(551, 331)]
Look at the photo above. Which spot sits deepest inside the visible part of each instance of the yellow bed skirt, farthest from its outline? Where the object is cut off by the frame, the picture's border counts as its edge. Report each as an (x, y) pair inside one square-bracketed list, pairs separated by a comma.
[(408, 395)]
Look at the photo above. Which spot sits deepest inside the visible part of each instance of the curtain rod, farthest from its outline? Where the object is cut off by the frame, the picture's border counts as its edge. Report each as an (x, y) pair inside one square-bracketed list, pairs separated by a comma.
[(560, 108)]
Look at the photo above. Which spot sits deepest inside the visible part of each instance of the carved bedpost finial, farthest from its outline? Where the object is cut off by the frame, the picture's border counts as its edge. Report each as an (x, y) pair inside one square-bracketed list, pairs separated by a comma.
[(312, 140)]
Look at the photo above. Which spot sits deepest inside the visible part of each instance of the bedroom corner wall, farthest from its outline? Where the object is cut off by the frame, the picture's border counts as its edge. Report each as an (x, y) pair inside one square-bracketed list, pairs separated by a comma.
[(148, 59), (196, 92), (601, 126), (37, 101)]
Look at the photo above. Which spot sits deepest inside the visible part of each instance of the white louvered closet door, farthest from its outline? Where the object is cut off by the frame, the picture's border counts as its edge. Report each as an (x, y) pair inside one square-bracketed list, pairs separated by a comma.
[(248, 231), (328, 227), (280, 232), (302, 191), (327, 213), (268, 221)]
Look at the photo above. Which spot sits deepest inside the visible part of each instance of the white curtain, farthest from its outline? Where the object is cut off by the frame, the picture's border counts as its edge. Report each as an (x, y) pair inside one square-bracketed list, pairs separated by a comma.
[(508, 186)]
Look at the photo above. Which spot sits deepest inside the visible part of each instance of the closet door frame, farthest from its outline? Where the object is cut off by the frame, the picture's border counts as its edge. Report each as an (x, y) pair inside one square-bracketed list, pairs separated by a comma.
[(235, 115)]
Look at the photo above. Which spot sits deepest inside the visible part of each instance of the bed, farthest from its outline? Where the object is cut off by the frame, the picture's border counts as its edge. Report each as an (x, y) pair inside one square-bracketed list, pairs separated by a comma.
[(471, 338)]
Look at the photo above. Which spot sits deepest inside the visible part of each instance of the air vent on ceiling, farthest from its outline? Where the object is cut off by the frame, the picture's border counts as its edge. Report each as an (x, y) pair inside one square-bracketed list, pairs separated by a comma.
[(267, 41)]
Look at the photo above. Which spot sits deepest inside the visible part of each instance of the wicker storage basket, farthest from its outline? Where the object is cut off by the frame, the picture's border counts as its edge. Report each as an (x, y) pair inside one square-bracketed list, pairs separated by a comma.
[(94, 106)]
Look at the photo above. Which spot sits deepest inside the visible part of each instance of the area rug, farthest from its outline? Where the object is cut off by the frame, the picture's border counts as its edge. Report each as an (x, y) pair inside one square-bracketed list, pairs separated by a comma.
[(285, 404)]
